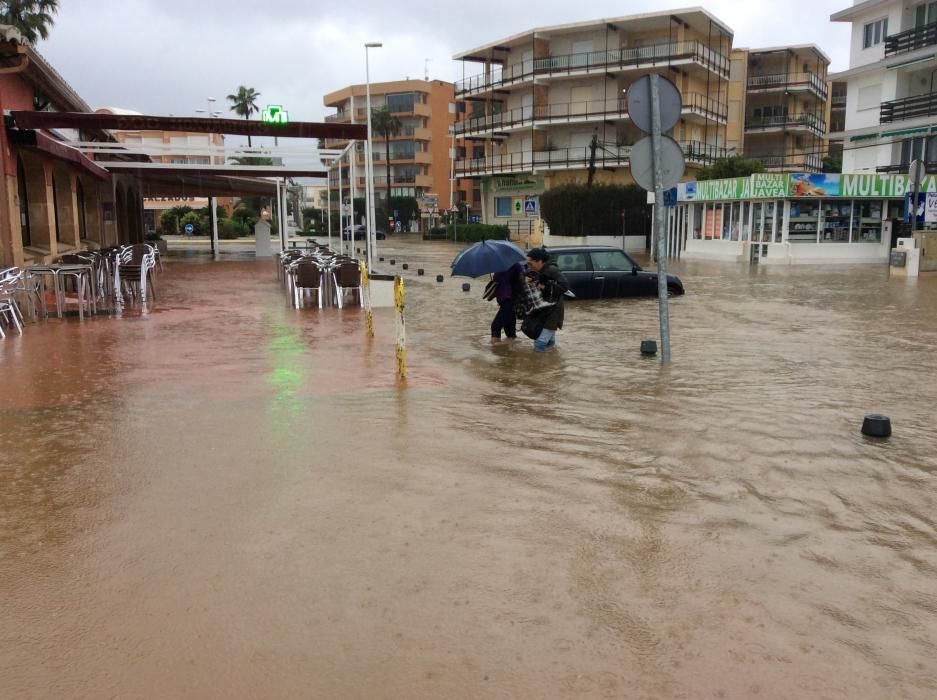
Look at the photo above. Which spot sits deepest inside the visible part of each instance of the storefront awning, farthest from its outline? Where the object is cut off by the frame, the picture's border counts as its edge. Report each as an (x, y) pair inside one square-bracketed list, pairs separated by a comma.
[(36, 140)]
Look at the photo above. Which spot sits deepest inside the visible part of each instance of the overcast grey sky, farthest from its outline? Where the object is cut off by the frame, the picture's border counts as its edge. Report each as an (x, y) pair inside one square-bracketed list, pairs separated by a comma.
[(167, 56)]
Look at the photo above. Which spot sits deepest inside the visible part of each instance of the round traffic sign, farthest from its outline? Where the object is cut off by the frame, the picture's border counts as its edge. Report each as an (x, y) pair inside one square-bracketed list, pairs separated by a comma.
[(639, 103), (642, 163), (189, 228)]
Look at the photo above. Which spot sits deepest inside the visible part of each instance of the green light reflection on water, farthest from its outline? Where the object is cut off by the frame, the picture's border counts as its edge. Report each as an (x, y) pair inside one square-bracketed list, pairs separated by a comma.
[(288, 372)]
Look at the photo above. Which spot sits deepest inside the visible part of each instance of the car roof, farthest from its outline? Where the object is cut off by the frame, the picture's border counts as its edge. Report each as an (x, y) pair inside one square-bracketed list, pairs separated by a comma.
[(578, 248)]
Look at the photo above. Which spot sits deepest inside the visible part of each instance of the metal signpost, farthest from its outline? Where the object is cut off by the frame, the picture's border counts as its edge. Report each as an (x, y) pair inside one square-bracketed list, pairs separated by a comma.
[(655, 105)]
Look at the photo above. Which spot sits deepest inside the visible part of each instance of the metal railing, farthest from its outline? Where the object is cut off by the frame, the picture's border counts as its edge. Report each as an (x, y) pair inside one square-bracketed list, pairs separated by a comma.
[(785, 121), (789, 80), (904, 168), (805, 163), (341, 116), (908, 108), (567, 158), (612, 59), (911, 40), (568, 112)]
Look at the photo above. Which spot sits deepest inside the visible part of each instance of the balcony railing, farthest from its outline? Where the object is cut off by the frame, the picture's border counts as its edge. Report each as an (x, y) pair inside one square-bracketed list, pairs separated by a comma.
[(788, 81), (340, 117), (571, 158), (793, 163), (598, 61), (911, 40), (904, 168), (909, 108), (569, 112), (793, 122)]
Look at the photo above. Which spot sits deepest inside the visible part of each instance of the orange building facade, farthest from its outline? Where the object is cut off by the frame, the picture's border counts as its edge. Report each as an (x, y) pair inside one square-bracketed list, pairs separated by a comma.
[(420, 154), (53, 199)]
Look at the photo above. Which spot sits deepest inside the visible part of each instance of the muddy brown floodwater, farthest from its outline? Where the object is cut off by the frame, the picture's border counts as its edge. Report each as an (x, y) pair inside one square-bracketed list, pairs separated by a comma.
[(228, 498)]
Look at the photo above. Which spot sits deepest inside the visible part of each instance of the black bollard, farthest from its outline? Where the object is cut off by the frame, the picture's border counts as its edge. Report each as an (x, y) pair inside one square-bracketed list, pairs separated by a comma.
[(439, 278), (466, 287), (420, 272), (648, 347), (876, 426), (405, 266)]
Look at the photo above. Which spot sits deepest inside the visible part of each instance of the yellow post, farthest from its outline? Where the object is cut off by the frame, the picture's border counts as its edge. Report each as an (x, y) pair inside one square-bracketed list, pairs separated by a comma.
[(366, 291), (400, 305)]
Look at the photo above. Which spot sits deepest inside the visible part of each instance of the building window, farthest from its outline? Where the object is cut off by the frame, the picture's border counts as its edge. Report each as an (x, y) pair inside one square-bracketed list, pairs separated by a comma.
[(403, 102), (874, 33), (502, 206), (926, 13), (919, 148)]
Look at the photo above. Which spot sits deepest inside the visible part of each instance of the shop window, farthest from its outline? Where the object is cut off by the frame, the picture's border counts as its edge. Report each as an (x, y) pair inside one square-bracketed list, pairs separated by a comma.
[(836, 218), (804, 222), (867, 222), (503, 206)]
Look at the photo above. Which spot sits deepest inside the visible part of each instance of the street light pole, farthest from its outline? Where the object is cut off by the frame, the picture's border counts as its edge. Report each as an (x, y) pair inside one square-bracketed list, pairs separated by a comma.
[(369, 163)]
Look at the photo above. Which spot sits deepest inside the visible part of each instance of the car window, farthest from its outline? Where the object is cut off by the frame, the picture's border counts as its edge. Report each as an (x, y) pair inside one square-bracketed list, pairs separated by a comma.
[(572, 262), (608, 260)]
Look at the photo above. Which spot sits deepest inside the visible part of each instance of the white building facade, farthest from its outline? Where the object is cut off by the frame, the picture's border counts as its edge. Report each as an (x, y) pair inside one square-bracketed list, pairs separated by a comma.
[(891, 96), (535, 108)]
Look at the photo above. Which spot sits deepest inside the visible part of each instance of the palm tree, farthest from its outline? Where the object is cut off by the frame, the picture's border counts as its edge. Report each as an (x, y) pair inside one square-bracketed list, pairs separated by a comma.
[(388, 125), (244, 104), (32, 18)]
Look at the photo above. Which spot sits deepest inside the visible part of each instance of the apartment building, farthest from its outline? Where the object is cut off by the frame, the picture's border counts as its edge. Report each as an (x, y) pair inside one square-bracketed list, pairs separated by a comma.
[(778, 107), (530, 104), (891, 95), (420, 162)]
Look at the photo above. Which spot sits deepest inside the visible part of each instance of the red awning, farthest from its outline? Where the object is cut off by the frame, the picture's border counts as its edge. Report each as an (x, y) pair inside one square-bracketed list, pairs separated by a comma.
[(26, 138)]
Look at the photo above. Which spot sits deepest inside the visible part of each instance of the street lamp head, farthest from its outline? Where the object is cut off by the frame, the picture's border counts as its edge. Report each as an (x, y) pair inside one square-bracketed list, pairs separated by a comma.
[(212, 99), (373, 45)]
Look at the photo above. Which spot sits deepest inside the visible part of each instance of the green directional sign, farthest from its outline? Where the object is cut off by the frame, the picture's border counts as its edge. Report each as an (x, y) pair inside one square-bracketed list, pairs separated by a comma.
[(275, 114)]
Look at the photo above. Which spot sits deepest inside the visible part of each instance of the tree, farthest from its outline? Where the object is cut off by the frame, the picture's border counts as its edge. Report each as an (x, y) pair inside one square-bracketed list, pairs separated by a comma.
[(735, 166), (244, 104), (832, 164), (33, 18), (596, 210), (388, 125), (251, 160)]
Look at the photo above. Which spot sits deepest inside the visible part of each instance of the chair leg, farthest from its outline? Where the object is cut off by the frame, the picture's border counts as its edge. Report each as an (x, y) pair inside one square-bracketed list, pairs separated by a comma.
[(319, 292)]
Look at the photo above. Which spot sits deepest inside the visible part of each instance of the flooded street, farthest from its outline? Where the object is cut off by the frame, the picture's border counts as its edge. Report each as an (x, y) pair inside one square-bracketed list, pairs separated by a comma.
[(229, 498)]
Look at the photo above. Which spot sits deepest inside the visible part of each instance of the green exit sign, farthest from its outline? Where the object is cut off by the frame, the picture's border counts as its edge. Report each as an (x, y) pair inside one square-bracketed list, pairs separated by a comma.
[(275, 114)]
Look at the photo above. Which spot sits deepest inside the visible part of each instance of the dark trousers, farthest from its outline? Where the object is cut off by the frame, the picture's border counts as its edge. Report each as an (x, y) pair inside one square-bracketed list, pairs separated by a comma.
[(505, 320)]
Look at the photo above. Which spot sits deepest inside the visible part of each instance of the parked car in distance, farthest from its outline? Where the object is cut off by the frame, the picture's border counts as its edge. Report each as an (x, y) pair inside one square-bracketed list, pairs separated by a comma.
[(359, 233), (603, 272)]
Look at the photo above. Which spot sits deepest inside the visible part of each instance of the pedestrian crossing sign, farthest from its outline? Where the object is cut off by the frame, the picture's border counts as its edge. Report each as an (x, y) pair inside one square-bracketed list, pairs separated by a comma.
[(530, 206)]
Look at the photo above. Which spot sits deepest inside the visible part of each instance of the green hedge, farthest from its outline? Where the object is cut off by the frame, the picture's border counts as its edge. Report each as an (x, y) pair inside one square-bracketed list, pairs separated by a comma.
[(472, 233), (580, 210)]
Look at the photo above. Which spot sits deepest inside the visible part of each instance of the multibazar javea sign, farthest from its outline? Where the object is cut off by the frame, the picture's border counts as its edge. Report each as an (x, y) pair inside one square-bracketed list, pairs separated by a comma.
[(802, 185)]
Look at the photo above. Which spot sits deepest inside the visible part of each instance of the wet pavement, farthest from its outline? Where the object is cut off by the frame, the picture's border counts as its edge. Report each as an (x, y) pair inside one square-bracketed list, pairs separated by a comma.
[(228, 498)]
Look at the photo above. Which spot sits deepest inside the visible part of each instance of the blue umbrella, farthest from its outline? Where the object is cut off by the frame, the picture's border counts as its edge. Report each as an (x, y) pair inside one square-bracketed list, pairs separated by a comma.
[(487, 257)]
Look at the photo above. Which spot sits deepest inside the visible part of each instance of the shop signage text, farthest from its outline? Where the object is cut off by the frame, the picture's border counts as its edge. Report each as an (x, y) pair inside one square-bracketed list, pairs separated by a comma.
[(802, 185)]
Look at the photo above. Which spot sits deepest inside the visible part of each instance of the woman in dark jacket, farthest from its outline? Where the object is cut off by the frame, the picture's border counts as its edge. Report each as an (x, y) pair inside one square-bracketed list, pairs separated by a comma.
[(553, 286), (506, 320)]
